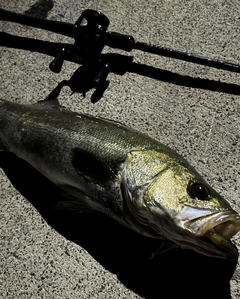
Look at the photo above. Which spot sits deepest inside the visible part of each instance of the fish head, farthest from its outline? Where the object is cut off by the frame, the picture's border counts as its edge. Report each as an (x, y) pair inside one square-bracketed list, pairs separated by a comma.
[(164, 193)]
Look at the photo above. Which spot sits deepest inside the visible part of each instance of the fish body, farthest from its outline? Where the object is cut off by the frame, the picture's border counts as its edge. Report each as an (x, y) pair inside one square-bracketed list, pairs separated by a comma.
[(127, 175)]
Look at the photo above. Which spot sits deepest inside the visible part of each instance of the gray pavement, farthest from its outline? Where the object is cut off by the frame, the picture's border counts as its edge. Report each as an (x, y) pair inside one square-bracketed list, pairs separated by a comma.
[(43, 258)]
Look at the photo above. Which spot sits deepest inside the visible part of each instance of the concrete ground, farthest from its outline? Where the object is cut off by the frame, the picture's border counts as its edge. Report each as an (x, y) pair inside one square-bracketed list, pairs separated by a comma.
[(49, 254)]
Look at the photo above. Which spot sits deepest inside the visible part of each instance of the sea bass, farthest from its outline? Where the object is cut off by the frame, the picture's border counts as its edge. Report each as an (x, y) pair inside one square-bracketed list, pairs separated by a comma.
[(125, 174)]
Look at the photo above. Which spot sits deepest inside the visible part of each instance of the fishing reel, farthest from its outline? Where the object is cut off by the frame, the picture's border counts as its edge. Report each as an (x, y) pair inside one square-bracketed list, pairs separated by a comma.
[(89, 32), (90, 35)]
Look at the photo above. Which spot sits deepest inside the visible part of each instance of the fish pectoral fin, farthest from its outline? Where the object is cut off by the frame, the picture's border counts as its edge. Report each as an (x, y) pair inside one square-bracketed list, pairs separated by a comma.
[(73, 205), (91, 167), (75, 200)]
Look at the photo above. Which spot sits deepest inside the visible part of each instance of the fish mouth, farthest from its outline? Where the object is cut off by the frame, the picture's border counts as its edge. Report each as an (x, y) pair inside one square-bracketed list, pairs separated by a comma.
[(216, 230)]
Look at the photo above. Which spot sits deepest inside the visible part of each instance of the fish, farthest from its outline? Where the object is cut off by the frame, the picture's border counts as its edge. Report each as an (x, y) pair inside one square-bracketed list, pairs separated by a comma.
[(103, 165)]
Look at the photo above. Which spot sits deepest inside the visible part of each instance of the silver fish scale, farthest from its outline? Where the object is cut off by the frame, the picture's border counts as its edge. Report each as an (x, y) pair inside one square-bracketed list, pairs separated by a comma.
[(52, 132)]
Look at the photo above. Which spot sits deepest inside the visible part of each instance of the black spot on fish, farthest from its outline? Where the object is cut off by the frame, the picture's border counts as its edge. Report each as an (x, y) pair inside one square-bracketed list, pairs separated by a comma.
[(40, 9), (90, 166)]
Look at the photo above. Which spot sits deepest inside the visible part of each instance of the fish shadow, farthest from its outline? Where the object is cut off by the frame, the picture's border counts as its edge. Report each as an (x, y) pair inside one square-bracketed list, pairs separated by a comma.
[(174, 274)]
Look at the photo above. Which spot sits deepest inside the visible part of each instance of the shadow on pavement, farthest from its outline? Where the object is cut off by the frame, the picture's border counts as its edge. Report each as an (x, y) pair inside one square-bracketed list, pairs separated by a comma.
[(175, 274)]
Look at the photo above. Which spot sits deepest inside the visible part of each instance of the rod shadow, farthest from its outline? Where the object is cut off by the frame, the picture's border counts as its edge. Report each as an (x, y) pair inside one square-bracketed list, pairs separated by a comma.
[(175, 274)]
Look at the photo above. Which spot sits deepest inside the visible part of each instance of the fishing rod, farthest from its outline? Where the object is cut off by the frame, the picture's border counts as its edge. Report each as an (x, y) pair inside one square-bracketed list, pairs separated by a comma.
[(90, 35)]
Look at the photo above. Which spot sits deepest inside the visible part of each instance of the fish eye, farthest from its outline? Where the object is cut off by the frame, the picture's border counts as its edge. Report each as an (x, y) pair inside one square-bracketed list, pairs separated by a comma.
[(198, 191)]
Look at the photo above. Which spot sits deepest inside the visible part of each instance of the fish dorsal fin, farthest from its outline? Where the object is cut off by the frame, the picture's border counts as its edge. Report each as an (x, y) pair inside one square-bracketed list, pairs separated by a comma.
[(50, 102), (90, 166)]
